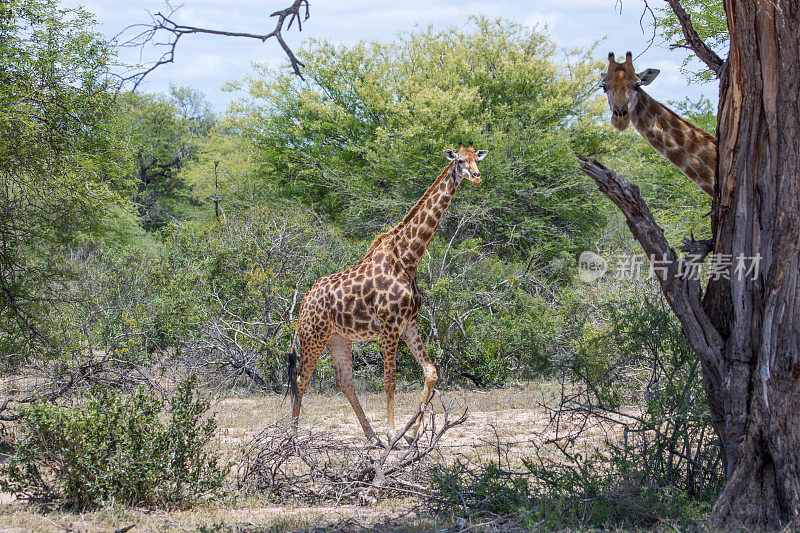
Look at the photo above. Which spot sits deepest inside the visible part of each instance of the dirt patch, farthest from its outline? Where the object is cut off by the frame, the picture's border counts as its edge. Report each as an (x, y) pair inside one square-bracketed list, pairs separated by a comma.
[(515, 415)]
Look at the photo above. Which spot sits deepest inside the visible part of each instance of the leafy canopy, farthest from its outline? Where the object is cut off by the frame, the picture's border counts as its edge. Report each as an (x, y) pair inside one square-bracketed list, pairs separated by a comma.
[(61, 166), (362, 138), (708, 19), (164, 136)]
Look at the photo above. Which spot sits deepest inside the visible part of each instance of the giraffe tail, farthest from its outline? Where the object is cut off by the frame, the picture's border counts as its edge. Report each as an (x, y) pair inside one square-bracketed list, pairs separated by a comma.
[(291, 369)]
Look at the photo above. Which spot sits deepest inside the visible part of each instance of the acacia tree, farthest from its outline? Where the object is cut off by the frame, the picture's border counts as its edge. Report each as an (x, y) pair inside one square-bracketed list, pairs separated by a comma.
[(745, 329), (165, 134), (60, 160)]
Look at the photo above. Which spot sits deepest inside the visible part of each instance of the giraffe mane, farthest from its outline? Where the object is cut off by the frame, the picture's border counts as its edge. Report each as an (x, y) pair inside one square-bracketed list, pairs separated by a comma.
[(414, 210), (375, 243), (428, 193), (680, 119)]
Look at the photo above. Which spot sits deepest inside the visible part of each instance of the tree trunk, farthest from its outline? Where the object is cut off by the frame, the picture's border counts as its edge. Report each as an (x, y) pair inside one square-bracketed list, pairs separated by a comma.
[(757, 214), (746, 333)]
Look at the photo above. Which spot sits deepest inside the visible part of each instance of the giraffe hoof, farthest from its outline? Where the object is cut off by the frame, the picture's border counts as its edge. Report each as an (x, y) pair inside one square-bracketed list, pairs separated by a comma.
[(376, 442), (409, 440)]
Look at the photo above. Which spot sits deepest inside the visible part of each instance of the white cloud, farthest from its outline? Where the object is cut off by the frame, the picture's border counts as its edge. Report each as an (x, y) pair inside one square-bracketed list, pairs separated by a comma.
[(207, 62)]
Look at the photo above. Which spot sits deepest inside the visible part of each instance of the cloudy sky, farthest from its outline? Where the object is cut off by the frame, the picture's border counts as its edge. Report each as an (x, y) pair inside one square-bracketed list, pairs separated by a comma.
[(207, 62)]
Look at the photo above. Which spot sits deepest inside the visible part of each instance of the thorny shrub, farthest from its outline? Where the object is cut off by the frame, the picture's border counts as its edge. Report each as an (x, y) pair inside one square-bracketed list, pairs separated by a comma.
[(113, 447), (629, 443)]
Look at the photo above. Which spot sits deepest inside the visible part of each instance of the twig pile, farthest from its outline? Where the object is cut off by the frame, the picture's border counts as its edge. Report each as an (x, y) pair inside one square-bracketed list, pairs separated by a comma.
[(320, 466)]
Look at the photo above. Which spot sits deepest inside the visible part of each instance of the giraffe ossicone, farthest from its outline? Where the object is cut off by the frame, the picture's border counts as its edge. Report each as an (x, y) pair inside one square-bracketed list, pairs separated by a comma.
[(686, 146), (378, 298)]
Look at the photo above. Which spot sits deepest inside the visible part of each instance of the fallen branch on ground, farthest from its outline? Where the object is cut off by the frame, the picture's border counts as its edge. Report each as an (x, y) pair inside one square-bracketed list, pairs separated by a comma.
[(319, 466)]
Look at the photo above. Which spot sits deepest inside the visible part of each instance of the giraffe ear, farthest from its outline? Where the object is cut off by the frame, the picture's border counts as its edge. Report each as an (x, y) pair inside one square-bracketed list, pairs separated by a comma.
[(647, 76), (449, 154), (480, 154)]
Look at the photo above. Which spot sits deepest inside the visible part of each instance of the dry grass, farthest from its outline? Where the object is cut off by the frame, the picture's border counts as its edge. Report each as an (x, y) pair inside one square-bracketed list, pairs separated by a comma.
[(514, 414)]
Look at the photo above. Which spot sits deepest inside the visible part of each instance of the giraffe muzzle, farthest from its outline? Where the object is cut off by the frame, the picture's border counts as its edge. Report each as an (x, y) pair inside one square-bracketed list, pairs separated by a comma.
[(620, 119)]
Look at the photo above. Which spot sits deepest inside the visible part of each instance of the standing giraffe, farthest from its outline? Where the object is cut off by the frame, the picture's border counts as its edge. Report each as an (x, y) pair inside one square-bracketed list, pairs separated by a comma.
[(685, 145), (378, 297)]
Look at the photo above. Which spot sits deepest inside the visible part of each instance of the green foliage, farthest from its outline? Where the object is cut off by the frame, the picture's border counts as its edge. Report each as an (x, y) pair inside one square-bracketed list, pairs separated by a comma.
[(249, 275), (657, 462), (235, 181), (486, 490), (556, 498), (164, 135), (109, 446), (61, 164), (672, 444), (362, 139), (134, 299), (487, 318), (709, 21)]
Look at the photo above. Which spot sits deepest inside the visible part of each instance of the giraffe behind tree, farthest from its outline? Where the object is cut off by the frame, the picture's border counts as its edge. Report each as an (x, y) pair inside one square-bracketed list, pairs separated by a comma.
[(685, 145), (378, 297)]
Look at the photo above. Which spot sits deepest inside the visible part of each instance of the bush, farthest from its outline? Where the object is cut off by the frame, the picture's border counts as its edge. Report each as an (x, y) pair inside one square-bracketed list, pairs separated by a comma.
[(114, 447), (671, 444), (630, 440), (361, 139), (554, 496), (486, 489)]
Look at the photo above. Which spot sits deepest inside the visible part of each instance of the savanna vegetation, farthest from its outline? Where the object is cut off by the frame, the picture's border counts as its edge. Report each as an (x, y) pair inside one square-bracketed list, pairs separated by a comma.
[(153, 254)]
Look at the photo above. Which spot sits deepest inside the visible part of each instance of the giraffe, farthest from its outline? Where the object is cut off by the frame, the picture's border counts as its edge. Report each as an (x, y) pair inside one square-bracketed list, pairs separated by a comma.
[(685, 145), (378, 297)]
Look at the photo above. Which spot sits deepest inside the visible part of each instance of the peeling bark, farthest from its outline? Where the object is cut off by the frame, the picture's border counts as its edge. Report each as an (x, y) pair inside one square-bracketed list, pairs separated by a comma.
[(757, 213), (746, 332)]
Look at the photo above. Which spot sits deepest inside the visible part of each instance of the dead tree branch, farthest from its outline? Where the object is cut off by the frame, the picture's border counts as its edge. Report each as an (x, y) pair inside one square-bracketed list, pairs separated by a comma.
[(79, 374), (104, 370), (319, 466), (228, 350), (164, 24), (693, 40), (681, 289)]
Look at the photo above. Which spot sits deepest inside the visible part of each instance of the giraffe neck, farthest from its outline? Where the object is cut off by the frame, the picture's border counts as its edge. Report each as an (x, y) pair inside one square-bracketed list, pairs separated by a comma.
[(684, 145), (413, 234)]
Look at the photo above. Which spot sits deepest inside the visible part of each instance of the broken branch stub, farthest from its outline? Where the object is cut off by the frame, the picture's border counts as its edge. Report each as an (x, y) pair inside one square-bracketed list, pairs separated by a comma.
[(683, 293)]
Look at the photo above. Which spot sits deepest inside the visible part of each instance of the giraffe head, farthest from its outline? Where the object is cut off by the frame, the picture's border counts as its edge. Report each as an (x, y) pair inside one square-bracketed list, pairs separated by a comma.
[(621, 84), (465, 162)]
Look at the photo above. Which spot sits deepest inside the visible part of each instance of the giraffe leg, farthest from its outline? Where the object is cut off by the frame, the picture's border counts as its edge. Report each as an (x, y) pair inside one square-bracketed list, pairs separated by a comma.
[(390, 337), (413, 340), (312, 344), (341, 351)]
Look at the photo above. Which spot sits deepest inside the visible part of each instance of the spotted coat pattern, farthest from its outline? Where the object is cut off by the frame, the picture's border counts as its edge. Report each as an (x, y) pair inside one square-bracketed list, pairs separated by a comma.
[(685, 145), (379, 298)]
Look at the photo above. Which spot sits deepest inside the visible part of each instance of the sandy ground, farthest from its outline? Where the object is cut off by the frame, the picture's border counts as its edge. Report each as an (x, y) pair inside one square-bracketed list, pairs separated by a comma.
[(515, 414)]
